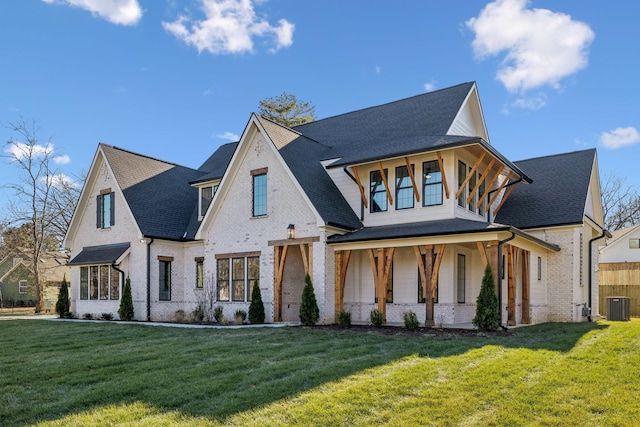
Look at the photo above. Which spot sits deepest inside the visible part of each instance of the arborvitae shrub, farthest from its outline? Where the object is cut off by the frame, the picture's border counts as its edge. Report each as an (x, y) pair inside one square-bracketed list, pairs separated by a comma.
[(309, 312), (63, 305), (487, 310), (376, 318), (256, 309), (344, 319), (126, 303), (411, 322)]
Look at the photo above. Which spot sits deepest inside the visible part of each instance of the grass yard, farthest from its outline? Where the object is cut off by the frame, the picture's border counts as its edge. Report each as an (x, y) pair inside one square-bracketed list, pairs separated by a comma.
[(74, 373)]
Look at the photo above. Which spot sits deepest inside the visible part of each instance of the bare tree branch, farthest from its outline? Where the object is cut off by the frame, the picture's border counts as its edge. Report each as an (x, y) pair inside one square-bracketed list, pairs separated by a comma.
[(620, 203)]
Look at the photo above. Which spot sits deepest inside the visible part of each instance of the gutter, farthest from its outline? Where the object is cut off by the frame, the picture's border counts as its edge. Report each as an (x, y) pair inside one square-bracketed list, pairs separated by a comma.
[(356, 181), (500, 270), (605, 233), (149, 278)]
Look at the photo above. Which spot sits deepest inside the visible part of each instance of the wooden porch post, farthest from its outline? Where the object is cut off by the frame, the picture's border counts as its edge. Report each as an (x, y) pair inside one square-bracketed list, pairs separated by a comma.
[(279, 257), (511, 286), (342, 263), (426, 268), (381, 270), (526, 318), (494, 263)]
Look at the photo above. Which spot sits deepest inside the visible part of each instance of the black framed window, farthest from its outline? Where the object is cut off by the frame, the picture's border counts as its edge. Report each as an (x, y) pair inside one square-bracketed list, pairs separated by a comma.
[(237, 272), (539, 268), (404, 188), (260, 194), (378, 191), (199, 273), (462, 278), (253, 274), (223, 279), (99, 282), (164, 280), (481, 190), (105, 210), (431, 183), (472, 185), (462, 175)]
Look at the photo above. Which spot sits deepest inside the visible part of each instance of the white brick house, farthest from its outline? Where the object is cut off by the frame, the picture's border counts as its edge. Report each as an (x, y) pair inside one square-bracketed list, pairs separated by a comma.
[(396, 207)]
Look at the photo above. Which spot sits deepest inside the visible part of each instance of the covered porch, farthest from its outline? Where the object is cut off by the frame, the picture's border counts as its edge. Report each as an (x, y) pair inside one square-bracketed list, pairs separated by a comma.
[(435, 269)]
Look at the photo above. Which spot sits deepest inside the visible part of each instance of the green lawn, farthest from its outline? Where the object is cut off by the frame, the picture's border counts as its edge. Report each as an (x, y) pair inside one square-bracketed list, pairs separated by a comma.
[(73, 373)]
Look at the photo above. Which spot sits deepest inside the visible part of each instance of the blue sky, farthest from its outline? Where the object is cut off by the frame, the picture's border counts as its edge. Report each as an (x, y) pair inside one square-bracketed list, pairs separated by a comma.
[(174, 79)]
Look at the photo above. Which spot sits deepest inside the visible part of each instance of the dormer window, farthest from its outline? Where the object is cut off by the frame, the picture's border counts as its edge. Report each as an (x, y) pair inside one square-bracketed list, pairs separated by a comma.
[(206, 196)]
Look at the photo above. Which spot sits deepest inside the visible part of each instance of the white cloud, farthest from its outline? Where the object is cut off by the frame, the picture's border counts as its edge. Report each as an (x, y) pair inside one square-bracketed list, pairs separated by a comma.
[(230, 136), (19, 150), (532, 103), (121, 12), (229, 27), (430, 86), (62, 160), (620, 137), (541, 46)]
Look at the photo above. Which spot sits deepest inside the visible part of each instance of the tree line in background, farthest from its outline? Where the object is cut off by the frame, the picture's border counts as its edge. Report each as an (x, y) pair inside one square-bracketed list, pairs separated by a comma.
[(36, 217)]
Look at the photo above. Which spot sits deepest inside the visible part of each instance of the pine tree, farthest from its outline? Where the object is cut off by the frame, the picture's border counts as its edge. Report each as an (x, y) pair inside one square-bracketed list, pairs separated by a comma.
[(126, 303), (309, 312), (63, 304), (487, 310), (256, 309)]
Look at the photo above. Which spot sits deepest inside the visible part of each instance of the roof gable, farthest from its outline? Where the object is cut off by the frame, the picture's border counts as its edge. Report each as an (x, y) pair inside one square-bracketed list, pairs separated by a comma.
[(558, 195), (470, 119)]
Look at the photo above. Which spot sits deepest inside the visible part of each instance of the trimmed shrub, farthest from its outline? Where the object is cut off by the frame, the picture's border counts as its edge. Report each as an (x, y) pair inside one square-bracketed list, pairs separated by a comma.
[(126, 303), (309, 312), (376, 318), (63, 305), (344, 319), (487, 310), (198, 314), (256, 309), (411, 322), (87, 316), (106, 316), (218, 313), (240, 316)]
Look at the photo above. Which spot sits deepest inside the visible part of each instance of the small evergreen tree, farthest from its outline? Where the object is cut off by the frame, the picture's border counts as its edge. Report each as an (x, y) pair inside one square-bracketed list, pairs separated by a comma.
[(256, 309), (309, 312), (126, 303), (487, 310), (63, 304)]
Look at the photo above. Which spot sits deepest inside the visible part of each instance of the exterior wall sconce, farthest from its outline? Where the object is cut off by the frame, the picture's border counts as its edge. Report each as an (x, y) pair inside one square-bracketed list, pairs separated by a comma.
[(291, 231)]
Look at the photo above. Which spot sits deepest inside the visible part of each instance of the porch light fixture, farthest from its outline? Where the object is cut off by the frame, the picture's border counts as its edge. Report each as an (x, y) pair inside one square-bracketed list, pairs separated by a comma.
[(291, 231)]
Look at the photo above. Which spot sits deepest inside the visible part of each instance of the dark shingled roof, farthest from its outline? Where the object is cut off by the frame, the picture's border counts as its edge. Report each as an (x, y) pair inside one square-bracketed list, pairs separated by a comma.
[(417, 229), (157, 192), (558, 194), (429, 114), (103, 254), (215, 166)]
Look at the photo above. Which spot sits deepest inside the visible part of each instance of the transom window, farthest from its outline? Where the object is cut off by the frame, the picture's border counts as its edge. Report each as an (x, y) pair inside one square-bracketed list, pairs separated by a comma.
[(432, 183), (99, 282), (236, 277), (378, 191), (404, 188)]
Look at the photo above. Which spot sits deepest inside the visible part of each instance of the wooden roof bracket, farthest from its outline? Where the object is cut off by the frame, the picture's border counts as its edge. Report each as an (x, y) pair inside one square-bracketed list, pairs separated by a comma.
[(356, 178), (497, 191), (413, 179), (444, 176)]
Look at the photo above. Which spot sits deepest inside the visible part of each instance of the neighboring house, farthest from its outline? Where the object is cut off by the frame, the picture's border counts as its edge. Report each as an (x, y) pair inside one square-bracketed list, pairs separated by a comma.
[(17, 281), (397, 207), (619, 268)]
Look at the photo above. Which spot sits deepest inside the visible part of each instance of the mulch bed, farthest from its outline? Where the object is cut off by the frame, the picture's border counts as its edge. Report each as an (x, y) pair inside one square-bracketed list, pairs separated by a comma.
[(398, 330)]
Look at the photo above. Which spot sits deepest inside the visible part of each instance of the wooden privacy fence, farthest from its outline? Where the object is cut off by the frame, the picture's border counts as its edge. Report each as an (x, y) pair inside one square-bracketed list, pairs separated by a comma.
[(620, 279)]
